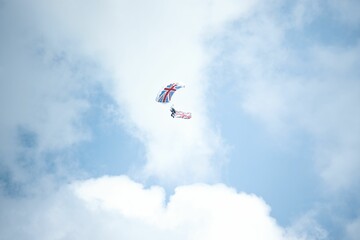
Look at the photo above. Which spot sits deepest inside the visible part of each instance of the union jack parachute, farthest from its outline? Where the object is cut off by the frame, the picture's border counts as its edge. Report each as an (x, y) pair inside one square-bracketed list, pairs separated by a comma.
[(167, 92), (165, 95)]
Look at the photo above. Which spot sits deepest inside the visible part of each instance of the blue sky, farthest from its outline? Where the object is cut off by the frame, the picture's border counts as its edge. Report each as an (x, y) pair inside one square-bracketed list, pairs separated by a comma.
[(272, 150)]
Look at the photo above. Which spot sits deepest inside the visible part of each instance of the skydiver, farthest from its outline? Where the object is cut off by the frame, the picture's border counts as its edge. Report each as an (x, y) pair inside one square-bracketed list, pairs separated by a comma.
[(173, 111)]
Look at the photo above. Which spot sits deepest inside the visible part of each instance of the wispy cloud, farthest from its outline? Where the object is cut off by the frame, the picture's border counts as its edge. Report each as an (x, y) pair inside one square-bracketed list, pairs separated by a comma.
[(293, 76), (142, 48), (40, 105), (315, 89), (287, 81)]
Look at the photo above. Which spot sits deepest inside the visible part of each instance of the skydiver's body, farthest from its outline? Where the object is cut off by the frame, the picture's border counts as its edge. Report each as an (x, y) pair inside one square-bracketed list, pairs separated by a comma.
[(173, 111)]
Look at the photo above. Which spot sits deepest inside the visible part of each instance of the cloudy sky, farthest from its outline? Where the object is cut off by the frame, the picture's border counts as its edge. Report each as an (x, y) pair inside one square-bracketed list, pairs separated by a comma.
[(272, 150)]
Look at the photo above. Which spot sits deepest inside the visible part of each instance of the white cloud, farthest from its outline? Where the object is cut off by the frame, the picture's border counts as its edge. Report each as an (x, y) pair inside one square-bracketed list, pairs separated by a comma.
[(144, 45), (118, 208), (292, 81), (306, 227), (123, 195), (315, 88), (196, 211), (37, 95), (141, 46), (39, 106)]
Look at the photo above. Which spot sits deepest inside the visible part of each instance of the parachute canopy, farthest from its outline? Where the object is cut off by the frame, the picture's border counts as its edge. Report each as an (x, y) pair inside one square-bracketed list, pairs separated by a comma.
[(167, 92)]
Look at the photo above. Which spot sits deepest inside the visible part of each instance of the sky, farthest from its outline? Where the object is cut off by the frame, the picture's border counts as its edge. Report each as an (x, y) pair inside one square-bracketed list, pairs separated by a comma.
[(272, 150)]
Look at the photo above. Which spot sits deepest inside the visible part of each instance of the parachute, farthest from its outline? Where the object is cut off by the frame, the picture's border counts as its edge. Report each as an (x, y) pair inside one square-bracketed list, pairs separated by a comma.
[(167, 92), (165, 95)]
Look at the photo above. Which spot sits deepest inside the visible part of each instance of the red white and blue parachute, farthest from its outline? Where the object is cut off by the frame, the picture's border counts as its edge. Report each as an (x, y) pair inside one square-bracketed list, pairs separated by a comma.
[(165, 96), (167, 92)]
